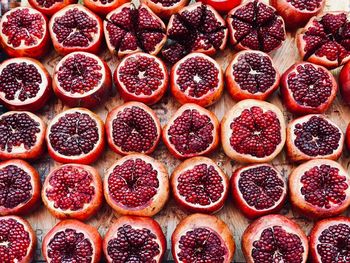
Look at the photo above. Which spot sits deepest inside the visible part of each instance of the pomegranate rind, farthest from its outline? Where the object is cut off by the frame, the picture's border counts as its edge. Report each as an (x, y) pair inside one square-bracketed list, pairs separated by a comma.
[(344, 82), (347, 141), (165, 11), (103, 9), (197, 208), (52, 9)]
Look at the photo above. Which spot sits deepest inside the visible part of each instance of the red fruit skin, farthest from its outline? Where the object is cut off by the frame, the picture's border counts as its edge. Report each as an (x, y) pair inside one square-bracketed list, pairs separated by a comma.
[(222, 6), (103, 10), (347, 137), (344, 81), (52, 9), (165, 12)]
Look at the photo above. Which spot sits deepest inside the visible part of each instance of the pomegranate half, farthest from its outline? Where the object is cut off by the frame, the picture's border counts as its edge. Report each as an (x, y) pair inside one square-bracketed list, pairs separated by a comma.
[(50, 7), (103, 7)]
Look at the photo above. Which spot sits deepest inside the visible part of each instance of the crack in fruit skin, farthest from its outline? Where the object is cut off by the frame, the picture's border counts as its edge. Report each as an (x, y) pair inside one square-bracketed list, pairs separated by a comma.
[(48, 3), (166, 3), (305, 5)]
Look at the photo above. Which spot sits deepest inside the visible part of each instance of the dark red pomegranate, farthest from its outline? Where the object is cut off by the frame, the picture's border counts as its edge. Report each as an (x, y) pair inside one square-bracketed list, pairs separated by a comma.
[(21, 135), (73, 191), (129, 29), (274, 238), (253, 131), (313, 136), (103, 7), (192, 131), (141, 77), (76, 28), (347, 136), (308, 88), (50, 7), (134, 239), (72, 241), (82, 79), (325, 40), (75, 135), (199, 185), (258, 190), (165, 8), (251, 75), (202, 238), (344, 82), (25, 84), (24, 33)]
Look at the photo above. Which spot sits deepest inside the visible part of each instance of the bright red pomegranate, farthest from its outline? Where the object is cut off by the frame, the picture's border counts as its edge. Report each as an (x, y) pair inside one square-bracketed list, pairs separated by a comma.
[(195, 28), (72, 241), (82, 79), (199, 185), (165, 8), (344, 82), (75, 135), (141, 77), (313, 136), (24, 33), (129, 29), (308, 88), (222, 6), (202, 238), (50, 7), (258, 190), (25, 84), (274, 238), (192, 131), (253, 131), (347, 136), (197, 78), (75, 28), (325, 40), (251, 75), (21, 135), (134, 239), (103, 7), (73, 191), (132, 128), (18, 240)]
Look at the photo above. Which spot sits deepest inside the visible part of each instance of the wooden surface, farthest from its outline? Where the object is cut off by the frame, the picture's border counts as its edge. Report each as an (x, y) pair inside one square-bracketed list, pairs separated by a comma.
[(42, 221)]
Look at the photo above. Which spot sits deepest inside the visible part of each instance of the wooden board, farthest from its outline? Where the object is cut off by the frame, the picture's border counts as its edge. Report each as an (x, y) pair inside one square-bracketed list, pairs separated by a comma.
[(42, 221)]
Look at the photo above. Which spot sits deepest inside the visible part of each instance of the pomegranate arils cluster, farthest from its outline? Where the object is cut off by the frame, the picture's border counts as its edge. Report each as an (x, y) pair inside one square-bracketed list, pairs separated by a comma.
[(167, 3), (305, 5), (47, 3)]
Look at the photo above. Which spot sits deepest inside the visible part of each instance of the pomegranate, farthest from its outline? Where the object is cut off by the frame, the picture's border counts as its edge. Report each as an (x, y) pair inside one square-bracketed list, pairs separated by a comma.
[(141, 77), (49, 7), (72, 241), (195, 28), (325, 40), (129, 29), (344, 81), (24, 33), (313, 136), (192, 131), (132, 128), (82, 79), (75, 135), (75, 28), (134, 239), (257, 26), (197, 78), (21, 135), (253, 131), (103, 7), (308, 88), (274, 238), (251, 75), (19, 187), (258, 190), (136, 185), (202, 238), (73, 191), (25, 84), (347, 135), (18, 240), (222, 6), (165, 8)]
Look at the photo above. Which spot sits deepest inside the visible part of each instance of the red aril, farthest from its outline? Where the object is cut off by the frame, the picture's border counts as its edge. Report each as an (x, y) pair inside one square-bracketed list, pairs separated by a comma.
[(50, 7), (165, 8), (344, 82), (222, 6), (103, 7)]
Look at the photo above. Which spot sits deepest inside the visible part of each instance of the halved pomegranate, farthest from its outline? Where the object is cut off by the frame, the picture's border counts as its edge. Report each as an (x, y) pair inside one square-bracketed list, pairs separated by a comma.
[(73, 191), (313, 136), (251, 75), (202, 238), (165, 8), (258, 190), (82, 79), (129, 29), (25, 84), (72, 241), (103, 7), (75, 135), (197, 78), (24, 33), (253, 131), (274, 238), (75, 28), (141, 77), (132, 128), (199, 185), (134, 239), (192, 131), (344, 83), (308, 88), (257, 26), (49, 7), (325, 40), (21, 135)]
